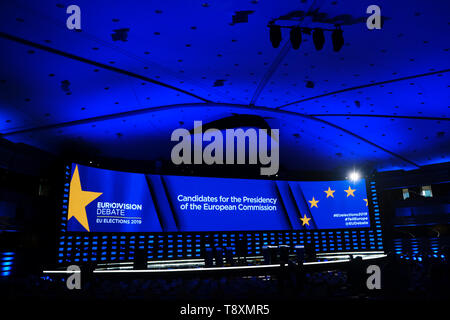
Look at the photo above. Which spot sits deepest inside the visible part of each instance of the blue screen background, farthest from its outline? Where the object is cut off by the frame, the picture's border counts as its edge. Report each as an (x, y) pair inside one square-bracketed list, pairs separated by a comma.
[(161, 210)]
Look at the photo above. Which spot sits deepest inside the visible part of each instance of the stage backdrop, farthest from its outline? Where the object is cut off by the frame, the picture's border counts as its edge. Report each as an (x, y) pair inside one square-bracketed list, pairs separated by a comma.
[(110, 201)]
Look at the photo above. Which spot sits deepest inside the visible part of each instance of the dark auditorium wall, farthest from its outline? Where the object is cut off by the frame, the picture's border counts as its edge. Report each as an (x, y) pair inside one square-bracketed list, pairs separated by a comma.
[(30, 184)]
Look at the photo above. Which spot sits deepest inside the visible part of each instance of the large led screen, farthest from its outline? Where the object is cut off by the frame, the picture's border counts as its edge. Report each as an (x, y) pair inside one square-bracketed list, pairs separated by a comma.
[(111, 201)]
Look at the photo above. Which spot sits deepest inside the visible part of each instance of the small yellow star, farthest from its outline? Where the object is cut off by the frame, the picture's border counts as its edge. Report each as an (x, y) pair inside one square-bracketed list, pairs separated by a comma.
[(314, 202), (329, 192), (305, 220), (350, 191), (367, 202)]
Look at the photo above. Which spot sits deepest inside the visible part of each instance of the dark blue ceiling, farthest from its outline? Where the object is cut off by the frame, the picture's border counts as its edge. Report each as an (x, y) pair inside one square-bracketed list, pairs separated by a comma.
[(382, 102)]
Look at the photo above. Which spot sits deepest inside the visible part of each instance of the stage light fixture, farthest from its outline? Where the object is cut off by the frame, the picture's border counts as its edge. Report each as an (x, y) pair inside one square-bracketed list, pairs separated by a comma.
[(354, 176), (296, 37), (337, 37), (275, 35), (318, 38)]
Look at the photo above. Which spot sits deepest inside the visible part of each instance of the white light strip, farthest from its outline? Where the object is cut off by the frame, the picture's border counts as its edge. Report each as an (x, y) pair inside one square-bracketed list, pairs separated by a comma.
[(225, 268), (335, 257), (212, 268), (114, 263), (348, 256), (171, 261), (60, 271), (350, 252), (190, 269), (375, 257), (324, 262)]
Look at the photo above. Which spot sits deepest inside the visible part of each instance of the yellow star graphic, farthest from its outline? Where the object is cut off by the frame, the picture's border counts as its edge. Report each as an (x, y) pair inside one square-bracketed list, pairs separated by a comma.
[(314, 202), (367, 202), (329, 192), (350, 191), (305, 220), (79, 199)]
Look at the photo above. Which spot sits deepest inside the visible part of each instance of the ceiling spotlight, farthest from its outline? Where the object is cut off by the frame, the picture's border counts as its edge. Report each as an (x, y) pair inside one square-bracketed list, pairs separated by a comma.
[(275, 35), (296, 37), (318, 39), (354, 176), (337, 37)]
